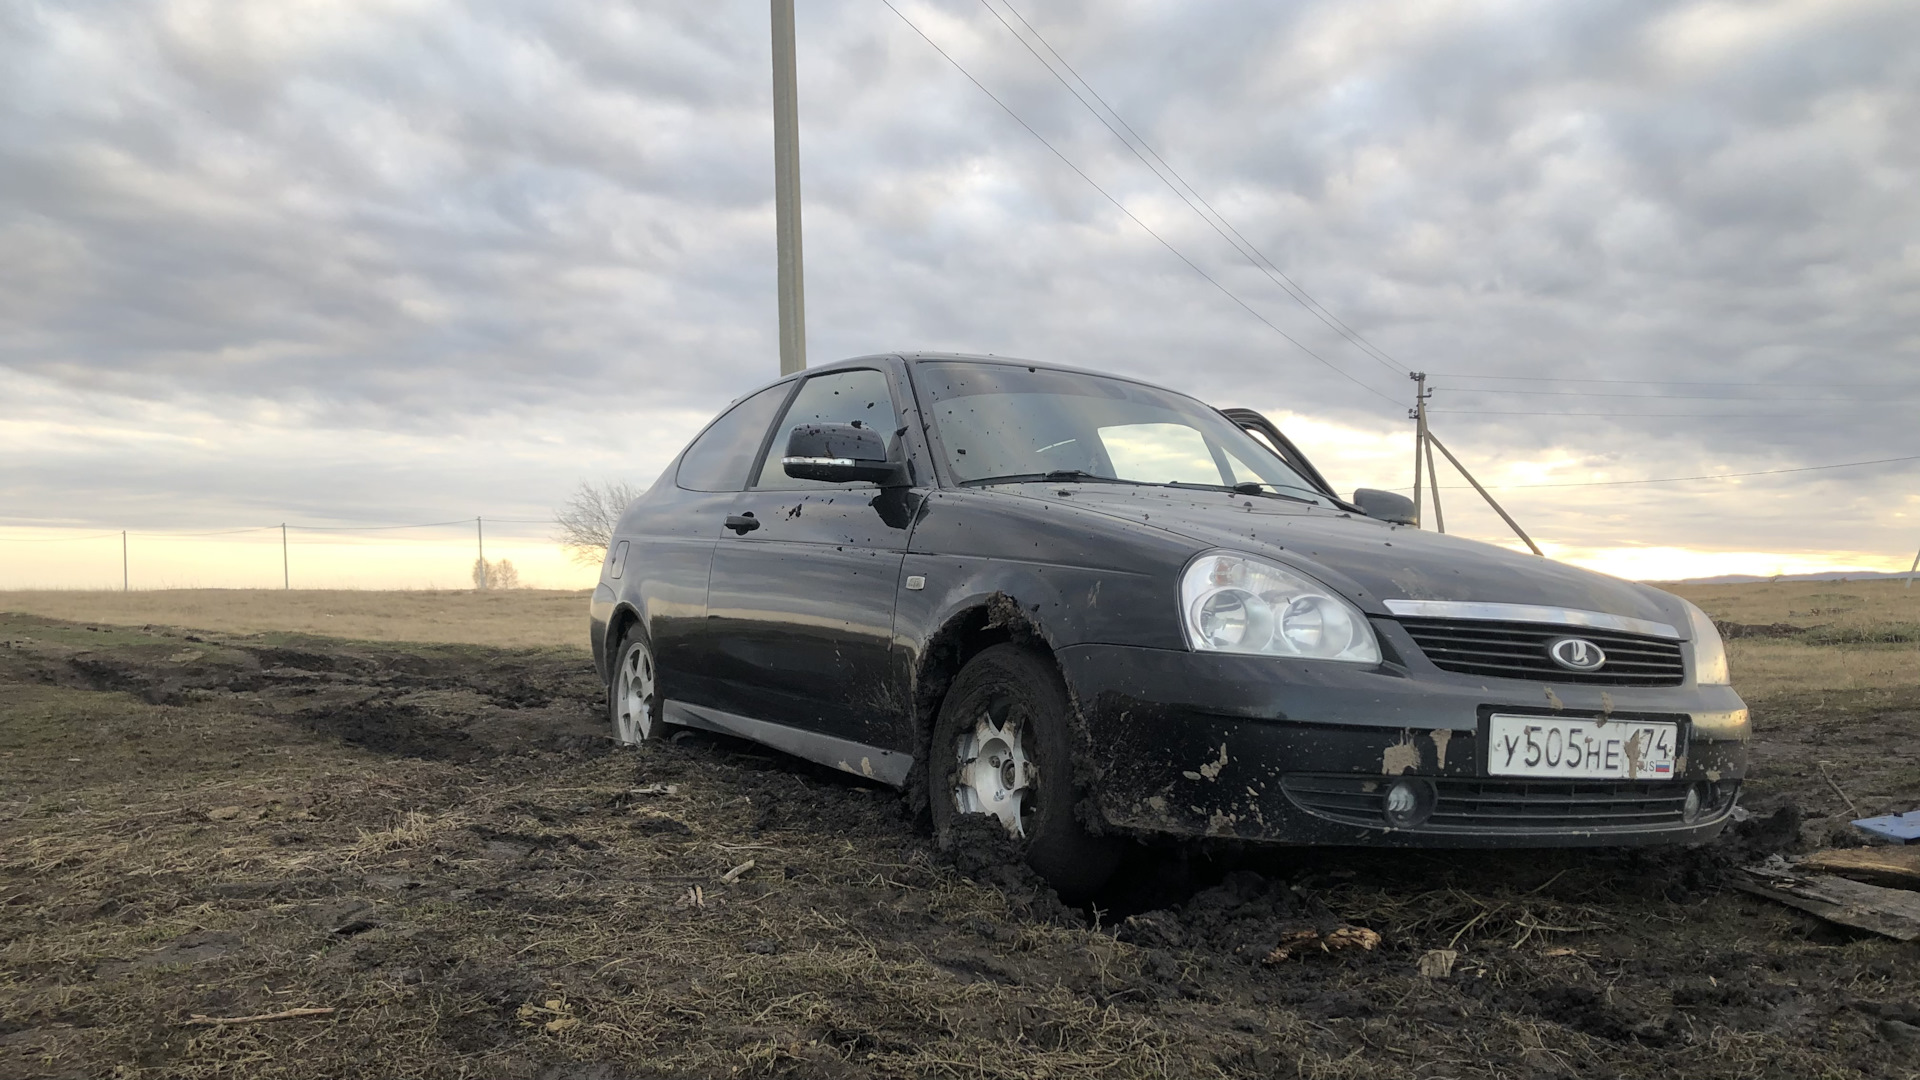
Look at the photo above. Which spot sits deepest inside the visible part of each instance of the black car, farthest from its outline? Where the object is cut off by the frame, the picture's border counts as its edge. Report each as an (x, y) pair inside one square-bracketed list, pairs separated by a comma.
[(1097, 609)]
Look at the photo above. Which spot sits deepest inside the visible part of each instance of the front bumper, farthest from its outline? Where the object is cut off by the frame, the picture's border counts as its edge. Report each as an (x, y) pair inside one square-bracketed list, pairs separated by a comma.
[(1300, 752)]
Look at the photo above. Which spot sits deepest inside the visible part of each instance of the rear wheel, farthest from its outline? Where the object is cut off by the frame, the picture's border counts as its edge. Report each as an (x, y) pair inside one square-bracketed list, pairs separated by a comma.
[(1001, 748), (633, 694)]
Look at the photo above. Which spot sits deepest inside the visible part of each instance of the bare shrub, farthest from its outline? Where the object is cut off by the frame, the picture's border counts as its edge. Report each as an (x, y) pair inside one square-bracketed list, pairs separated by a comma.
[(495, 575), (587, 519)]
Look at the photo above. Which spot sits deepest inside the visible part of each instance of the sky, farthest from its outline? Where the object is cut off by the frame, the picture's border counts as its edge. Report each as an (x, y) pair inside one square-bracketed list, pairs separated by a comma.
[(375, 262)]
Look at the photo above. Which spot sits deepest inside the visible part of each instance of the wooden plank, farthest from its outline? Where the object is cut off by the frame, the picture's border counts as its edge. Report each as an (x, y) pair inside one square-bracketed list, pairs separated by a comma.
[(1894, 913), (1897, 867)]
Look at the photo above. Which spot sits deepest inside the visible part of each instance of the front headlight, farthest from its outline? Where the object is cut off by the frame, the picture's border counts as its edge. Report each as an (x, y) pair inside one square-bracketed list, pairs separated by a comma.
[(1239, 604), (1709, 652)]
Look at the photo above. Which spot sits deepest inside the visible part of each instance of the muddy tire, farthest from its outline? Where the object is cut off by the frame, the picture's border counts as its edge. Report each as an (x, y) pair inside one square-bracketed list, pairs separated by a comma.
[(633, 691), (1002, 747)]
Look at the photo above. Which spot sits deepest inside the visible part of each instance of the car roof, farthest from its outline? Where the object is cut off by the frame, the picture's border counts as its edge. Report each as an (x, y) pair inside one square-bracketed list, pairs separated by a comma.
[(871, 359)]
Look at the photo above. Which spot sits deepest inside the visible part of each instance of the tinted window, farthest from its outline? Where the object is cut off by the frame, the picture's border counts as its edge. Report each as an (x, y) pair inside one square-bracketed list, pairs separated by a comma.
[(720, 458), (841, 397)]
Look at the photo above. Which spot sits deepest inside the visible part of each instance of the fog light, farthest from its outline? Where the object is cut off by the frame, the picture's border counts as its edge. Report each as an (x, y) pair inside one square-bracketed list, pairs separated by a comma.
[(1407, 803), (1696, 801)]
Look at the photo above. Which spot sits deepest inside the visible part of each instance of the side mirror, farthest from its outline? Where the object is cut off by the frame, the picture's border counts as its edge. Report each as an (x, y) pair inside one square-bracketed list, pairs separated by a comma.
[(1386, 505), (841, 454)]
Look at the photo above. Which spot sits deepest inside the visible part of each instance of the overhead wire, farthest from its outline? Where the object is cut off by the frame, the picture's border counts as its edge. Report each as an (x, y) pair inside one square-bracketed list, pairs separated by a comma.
[(1657, 397), (1638, 415), (50, 539), (1177, 253), (1217, 221), (289, 526), (1707, 476), (1640, 382)]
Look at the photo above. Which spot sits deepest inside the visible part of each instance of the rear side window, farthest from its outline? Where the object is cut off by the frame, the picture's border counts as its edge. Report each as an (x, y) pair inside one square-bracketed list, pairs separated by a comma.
[(838, 397), (719, 459)]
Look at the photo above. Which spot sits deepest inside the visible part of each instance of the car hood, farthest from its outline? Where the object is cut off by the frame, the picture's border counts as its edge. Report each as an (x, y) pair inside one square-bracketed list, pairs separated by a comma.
[(1370, 561)]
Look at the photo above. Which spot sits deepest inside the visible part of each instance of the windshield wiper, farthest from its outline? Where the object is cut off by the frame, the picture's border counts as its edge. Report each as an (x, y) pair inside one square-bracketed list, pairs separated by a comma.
[(1252, 488), (1048, 477)]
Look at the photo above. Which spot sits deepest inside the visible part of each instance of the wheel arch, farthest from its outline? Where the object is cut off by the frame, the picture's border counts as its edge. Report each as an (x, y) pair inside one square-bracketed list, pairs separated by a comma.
[(969, 629), (624, 617)]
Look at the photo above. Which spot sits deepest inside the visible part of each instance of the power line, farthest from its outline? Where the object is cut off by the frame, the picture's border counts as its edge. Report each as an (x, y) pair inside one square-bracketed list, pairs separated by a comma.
[(1640, 382), (375, 528), (1130, 214), (257, 528), (1254, 256), (1638, 415), (1709, 476), (50, 539), (1663, 397)]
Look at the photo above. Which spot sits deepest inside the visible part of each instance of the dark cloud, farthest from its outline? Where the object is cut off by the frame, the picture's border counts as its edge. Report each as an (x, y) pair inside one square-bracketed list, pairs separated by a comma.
[(544, 232)]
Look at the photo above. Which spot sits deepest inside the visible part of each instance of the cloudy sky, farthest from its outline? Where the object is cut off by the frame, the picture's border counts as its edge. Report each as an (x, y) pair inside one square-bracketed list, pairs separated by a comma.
[(391, 261)]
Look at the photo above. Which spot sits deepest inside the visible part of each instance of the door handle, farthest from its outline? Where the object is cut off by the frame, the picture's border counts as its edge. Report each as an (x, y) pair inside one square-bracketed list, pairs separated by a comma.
[(742, 524)]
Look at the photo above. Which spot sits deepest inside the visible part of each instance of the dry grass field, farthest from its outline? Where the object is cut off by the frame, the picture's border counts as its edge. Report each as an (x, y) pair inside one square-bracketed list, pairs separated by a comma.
[(224, 806), (513, 619)]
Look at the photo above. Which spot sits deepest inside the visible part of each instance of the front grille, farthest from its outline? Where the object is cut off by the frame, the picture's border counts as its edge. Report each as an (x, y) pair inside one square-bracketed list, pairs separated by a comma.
[(1464, 805), (1510, 650)]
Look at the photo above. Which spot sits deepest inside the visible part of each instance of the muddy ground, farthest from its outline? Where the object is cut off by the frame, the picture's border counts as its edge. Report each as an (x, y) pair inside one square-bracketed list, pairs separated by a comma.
[(438, 844)]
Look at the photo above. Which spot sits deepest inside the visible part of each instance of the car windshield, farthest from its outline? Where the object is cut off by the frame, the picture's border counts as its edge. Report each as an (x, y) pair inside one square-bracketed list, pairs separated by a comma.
[(1002, 423)]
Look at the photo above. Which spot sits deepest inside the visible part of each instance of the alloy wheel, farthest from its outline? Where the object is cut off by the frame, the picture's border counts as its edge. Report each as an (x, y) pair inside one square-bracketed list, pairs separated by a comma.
[(633, 694)]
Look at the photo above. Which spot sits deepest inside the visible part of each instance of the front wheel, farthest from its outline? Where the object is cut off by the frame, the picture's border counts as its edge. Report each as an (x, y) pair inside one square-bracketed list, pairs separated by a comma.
[(1001, 748), (633, 694)]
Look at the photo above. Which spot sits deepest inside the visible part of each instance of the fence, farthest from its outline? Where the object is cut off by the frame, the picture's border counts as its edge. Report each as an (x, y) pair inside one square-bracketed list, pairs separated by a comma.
[(440, 554)]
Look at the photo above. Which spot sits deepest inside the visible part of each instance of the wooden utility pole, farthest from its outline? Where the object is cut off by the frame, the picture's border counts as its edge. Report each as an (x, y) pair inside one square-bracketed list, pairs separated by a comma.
[(786, 192)]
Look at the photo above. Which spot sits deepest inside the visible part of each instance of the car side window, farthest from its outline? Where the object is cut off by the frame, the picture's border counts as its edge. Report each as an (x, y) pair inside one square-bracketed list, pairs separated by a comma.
[(839, 397), (721, 457), (1160, 453)]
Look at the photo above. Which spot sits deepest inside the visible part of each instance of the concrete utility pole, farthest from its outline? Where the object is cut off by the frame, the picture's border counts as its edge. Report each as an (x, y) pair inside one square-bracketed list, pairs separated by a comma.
[(480, 538), (786, 192), (1424, 444), (1911, 569), (1419, 415)]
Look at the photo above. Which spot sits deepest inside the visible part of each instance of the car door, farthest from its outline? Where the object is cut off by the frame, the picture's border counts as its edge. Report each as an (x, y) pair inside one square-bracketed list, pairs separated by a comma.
[(801, 601), (666, 572)]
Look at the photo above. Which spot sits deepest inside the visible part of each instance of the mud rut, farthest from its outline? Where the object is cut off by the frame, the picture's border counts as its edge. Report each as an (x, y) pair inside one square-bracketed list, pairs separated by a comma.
[(440, 844)]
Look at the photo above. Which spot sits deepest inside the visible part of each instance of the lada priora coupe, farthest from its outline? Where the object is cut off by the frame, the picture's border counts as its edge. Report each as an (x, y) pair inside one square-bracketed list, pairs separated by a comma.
[(1096, 609)]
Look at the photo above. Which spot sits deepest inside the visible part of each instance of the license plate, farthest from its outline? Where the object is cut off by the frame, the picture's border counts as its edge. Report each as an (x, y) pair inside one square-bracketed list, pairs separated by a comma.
[(1581, 749)]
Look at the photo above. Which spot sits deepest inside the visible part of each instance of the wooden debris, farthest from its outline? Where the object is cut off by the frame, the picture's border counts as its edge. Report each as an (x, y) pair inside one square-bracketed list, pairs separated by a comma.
[(1852, 810), (1897, 867), (1438, 963), (263, 1018), (1894, 913), (733, 875), (1345, 937)]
